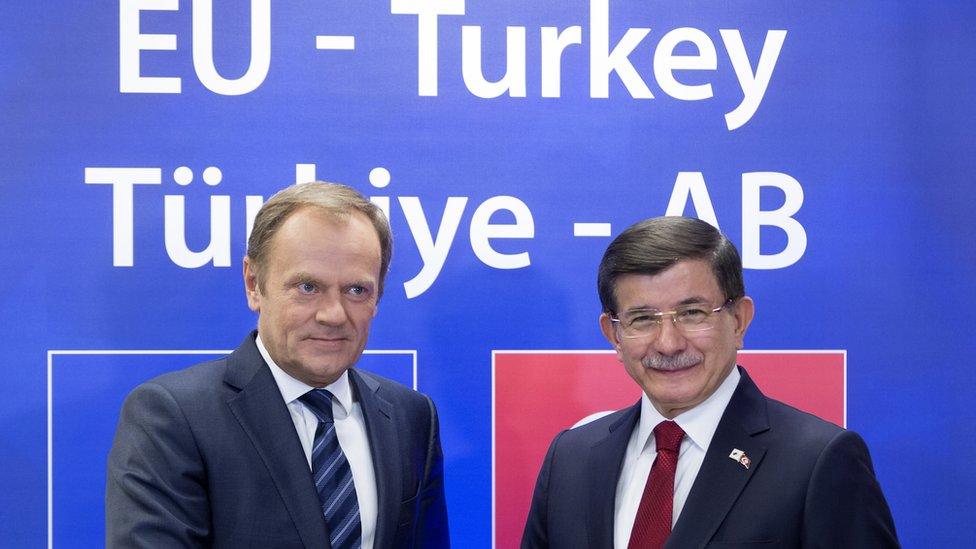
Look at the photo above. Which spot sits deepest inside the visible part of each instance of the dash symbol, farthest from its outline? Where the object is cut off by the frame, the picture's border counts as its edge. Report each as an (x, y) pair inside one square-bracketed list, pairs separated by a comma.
[(591, 229), (329, 42)]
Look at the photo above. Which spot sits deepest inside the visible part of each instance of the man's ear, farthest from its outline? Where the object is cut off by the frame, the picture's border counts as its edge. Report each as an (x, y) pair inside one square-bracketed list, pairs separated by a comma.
[(610, 332), (744, 310), (251, 287)]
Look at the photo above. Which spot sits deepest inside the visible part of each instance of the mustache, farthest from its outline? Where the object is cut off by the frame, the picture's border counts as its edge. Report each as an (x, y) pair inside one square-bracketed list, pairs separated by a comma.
[(676, 362)]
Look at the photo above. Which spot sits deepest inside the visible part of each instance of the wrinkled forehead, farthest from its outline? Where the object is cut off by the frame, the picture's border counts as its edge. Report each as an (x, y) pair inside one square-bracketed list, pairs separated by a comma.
[(315, 222), (312, 232), (684, 283)]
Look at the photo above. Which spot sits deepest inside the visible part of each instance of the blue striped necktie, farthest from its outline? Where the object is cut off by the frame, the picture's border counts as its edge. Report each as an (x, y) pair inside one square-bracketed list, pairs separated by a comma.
[(332, 475)]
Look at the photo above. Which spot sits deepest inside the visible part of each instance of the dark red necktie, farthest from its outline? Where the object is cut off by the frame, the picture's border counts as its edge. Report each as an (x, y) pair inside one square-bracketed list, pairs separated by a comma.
[(653, 522)]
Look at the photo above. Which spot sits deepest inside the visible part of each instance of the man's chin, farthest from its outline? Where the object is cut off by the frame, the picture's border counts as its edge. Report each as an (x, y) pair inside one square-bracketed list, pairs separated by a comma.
[(325, 375), (329, 363)]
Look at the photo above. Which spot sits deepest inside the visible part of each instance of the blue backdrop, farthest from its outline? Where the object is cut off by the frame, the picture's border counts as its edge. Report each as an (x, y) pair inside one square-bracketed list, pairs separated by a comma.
[(831, 141)]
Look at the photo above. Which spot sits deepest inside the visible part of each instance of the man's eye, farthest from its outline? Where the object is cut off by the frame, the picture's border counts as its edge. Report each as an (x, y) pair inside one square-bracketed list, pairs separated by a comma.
[(358, 290), (642, 320), (692, 315), (306, 287)]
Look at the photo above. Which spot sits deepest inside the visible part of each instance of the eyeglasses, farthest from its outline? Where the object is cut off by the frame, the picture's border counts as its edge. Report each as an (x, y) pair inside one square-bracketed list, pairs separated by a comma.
[(687, 319)]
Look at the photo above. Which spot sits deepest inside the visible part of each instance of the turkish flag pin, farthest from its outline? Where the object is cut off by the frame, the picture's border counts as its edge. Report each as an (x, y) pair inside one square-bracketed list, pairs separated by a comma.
[(741, 457)]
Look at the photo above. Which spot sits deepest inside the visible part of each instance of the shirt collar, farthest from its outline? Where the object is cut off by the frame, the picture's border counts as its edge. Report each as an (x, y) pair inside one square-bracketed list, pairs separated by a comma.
[(698, 423), (292, 389)]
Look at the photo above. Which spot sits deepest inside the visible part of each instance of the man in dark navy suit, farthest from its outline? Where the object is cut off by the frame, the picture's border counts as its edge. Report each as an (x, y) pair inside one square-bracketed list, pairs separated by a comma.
[(703, 459), (284, 443)]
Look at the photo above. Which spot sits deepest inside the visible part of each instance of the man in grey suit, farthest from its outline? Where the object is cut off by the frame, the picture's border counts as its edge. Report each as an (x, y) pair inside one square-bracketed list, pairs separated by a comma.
[(704, 459), (284, 443)]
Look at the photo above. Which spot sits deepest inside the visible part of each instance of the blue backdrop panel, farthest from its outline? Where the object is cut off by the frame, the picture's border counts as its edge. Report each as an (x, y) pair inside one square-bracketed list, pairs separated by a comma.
[(132, 163)]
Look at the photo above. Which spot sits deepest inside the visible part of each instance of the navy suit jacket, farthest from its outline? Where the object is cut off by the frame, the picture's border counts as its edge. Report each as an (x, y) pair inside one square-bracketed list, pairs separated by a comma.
[(209, 456), (810, 484)]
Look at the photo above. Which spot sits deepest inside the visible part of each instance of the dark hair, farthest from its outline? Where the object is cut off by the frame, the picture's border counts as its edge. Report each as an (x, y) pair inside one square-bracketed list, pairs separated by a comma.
[(336, 200), (654, 245)]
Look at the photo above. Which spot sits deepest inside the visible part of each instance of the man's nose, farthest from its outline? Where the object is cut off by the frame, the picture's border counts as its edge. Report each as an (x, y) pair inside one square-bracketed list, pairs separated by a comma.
[(670, 340), (330, 310)]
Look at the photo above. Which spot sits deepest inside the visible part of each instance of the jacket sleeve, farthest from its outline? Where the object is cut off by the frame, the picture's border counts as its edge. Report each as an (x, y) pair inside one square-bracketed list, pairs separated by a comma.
[(431, 528), (156, 486), (536, 533), (845, 506)]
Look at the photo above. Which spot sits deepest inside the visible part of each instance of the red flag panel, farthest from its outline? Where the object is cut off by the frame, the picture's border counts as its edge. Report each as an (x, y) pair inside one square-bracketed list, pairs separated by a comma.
[(536, 394)]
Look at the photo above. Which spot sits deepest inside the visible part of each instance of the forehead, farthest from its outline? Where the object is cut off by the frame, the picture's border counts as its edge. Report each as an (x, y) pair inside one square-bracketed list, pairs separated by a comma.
[(315, 236), (684, 282)]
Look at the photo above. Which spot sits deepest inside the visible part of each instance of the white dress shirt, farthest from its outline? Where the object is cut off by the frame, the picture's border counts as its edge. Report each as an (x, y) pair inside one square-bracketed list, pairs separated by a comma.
[(350, 429), (698, 423)]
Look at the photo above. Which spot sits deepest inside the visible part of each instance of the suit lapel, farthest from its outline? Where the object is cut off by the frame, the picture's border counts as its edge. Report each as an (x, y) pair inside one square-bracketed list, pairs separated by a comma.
[(262, 413), (385, 448), (721, 479), (605, 459)]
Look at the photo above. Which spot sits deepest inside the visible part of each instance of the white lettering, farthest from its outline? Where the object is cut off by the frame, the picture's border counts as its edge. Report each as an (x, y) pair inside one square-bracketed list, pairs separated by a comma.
[(427, 12), (132, 42), (473, 73), (304, 173), (218, 250), (252, 204), (753, 219), (122, 180), (666, 62), (203, 62), (553, 44), (433, 251), (482, 230), (380, 177), (692, 184), (603, 61), (753, 84)]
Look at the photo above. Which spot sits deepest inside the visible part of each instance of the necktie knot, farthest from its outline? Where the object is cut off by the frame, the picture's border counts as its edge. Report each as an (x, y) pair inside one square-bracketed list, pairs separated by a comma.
[(319, 401), (668, 435)]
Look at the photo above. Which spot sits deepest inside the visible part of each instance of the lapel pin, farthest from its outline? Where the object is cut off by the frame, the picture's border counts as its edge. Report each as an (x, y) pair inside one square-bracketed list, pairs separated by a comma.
[(740, 457)]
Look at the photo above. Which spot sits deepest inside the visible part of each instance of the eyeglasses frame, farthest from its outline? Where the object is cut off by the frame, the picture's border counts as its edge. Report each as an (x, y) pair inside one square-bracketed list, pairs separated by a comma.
[(674, 320)]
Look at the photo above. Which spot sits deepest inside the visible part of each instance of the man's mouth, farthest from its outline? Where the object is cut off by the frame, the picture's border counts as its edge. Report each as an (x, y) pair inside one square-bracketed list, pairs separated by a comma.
[(327, 339)]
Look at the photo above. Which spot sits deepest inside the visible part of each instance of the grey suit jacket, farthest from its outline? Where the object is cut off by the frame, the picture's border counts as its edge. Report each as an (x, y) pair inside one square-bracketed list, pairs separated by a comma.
[(209, 456), (810, 484)]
